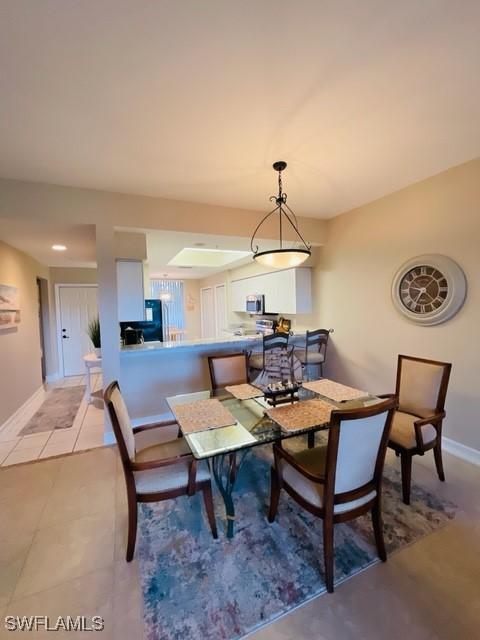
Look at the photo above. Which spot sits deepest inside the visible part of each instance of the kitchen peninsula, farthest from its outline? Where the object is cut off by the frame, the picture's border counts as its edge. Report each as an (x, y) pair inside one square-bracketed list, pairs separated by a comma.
[(152, 371)]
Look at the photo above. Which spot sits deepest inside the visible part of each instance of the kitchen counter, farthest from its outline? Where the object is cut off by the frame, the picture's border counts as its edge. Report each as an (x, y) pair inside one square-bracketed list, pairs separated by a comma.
[(152, 371), (197, 343)]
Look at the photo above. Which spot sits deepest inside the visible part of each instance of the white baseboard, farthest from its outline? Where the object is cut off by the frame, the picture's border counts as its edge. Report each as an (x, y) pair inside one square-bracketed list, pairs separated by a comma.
[(53, 377), (15, 415), (461, 451)]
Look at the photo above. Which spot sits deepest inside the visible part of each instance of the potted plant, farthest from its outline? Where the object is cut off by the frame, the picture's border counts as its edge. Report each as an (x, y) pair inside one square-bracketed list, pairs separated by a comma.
[(94, 335)]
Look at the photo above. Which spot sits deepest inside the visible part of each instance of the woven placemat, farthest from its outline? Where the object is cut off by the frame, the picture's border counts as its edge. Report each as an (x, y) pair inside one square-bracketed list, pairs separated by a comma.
[(244, 391), (301, 415), (334, 390), (202, 415)]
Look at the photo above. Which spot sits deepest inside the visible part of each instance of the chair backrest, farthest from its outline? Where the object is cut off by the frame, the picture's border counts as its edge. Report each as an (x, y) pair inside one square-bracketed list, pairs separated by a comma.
[(228, 369), (318, 338), (357, 445), (422, 385), (121, 423), (275, 341)]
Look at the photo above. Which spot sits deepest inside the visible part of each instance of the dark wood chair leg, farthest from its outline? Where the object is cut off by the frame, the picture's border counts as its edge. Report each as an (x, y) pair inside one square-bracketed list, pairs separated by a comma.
[(311, 440), (328, 553), (208, 500), (437, 453), (132, 525), (378, 531), (406, 464), (274, 495)]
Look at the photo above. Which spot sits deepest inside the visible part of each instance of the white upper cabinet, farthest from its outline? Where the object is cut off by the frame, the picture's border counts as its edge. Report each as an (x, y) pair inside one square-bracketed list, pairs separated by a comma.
[(288, 291), (131, 298)]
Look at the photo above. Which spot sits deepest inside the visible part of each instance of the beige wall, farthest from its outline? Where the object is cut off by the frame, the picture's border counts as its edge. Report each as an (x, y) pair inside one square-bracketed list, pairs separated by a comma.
[(34, 201), (364, 249), (72, 275), (20, 368), (191, 293)]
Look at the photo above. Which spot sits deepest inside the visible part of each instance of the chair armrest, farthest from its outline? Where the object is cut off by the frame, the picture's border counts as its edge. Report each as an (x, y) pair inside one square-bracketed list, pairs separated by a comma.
[(436, 417), (157, 464), (150, 435), (385, 396), (281, 453), (421, 422), (156, 425)]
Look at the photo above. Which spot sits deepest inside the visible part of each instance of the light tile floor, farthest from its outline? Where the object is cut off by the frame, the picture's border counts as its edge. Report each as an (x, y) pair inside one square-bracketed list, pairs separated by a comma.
[(63, 533), (85, 433)]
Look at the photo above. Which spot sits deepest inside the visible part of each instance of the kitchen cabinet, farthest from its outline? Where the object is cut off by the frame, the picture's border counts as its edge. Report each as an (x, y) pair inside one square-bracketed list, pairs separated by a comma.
[(130, 291), (286, 291)]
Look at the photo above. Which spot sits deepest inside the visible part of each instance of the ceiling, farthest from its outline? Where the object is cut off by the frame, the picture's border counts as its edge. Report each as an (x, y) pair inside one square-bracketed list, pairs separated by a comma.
[(164, 246), (194, 100), (36, 240)]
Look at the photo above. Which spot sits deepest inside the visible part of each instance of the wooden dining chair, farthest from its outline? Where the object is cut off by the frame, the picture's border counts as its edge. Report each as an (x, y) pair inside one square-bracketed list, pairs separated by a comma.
[(270, 342), (341, 480), (417, 424), (228, 369), (157, 465)]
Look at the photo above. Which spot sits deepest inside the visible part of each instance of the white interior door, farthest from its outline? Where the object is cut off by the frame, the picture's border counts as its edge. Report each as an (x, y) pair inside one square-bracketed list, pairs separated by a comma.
[(207, 305), (77, 306), (220, 309)]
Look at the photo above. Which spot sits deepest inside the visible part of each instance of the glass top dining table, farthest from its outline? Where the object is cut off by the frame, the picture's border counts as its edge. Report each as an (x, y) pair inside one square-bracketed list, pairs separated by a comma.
[(253, 426), (226, 447)]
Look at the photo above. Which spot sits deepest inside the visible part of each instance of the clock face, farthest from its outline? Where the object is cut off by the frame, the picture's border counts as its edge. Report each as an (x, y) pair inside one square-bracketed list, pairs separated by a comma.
[(429, 289), (423, 289)]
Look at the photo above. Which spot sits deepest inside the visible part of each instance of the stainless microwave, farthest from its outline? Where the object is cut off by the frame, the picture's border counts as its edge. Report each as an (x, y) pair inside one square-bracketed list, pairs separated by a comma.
[(255, 304)]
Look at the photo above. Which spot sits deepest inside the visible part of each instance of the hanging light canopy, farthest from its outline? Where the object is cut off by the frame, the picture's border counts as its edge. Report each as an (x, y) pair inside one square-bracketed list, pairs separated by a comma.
[(282, 257)]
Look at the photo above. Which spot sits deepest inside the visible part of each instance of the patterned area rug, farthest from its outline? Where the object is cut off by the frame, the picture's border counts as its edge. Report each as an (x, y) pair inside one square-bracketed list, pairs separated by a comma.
[(195, 587), (57, 412)]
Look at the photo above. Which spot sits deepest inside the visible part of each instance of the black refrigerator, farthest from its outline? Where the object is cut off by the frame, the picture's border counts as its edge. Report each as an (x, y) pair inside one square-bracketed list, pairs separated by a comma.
[(152, 326)]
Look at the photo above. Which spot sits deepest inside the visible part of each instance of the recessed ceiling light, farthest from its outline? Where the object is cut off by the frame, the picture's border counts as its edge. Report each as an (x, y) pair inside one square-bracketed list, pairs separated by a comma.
[(59, 247)]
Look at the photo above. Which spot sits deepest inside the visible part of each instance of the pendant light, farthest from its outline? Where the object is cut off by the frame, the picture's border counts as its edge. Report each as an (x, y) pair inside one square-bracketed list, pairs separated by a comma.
[(281, 258)]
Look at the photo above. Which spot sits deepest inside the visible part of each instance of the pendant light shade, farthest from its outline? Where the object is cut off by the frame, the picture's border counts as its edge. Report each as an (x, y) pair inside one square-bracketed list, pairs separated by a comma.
[(283, 257)]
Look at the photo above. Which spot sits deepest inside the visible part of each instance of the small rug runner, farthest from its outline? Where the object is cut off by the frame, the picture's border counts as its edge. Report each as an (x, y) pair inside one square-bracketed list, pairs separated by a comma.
[(195, 587), (57, 412)]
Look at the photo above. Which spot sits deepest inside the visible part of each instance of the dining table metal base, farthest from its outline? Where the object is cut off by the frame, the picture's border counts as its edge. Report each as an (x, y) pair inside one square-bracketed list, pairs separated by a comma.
[(226, 468)]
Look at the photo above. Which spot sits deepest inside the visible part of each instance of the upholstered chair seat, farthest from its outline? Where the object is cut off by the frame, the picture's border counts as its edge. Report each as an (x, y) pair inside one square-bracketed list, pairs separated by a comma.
[(315, 462), (341, 480), (171, 478), (417, 425), (403, 431), (312, 358), (157, 464), (255, 361)]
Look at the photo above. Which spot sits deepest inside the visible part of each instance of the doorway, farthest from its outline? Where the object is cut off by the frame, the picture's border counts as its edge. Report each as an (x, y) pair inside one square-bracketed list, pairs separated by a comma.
[(41, 327), (213, 309), (220, 309), (207, 306), (76, 307)]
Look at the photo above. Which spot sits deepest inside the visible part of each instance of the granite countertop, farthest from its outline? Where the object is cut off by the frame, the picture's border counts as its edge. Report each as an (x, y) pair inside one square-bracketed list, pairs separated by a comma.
[(189, 344), (196, 343)]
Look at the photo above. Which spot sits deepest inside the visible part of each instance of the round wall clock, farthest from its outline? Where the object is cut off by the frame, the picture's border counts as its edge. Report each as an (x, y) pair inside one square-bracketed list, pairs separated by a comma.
[(429, 289)]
